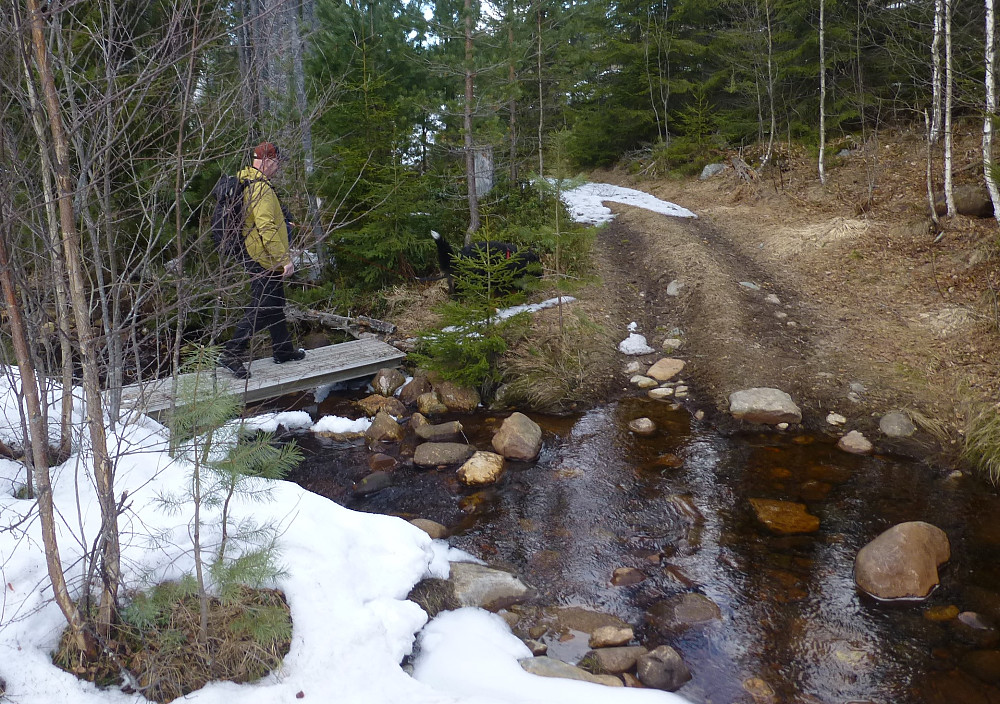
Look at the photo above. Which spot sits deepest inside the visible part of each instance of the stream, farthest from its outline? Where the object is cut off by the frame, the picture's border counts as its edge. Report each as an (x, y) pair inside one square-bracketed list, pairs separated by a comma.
[(676, 506)]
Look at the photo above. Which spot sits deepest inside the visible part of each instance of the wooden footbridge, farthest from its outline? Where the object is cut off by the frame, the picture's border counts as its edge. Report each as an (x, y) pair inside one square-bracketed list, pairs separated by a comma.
[(324, 365)]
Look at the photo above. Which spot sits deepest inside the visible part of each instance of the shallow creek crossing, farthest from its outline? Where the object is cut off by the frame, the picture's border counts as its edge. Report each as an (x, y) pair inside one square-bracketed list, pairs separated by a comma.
[(676, 506)]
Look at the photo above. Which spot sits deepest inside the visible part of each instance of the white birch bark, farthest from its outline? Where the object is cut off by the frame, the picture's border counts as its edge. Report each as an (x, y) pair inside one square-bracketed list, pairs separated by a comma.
[(936, 71), (991, 105)]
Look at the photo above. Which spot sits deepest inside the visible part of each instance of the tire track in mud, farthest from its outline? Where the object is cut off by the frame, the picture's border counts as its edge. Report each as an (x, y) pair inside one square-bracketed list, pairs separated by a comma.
[(733, 337)]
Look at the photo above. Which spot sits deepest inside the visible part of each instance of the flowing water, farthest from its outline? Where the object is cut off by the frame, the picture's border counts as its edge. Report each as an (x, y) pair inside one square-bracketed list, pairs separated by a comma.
[(793, 626)]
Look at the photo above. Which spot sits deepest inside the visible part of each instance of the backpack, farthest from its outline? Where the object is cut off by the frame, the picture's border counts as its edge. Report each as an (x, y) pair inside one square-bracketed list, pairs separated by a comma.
[(227, 218)]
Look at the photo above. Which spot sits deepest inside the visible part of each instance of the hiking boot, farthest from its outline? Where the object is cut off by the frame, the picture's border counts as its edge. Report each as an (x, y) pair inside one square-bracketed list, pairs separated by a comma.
[(234, 364), (283, 356)]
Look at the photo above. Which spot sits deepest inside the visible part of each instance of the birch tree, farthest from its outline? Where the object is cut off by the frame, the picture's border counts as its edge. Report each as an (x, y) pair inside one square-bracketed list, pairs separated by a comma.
[(991, 106), (936, 70)]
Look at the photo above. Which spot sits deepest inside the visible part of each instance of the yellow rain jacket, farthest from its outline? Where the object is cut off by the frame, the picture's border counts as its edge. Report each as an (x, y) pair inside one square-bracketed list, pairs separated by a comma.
[(264, 229)]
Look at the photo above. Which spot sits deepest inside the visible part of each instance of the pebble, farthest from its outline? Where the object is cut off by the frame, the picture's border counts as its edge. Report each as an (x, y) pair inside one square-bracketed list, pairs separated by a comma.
[(782, 426), (771, 298), (835, 419), (699, 415)]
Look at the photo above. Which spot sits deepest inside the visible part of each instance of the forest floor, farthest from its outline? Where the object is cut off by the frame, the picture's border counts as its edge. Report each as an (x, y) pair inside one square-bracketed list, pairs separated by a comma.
[(870, 291)]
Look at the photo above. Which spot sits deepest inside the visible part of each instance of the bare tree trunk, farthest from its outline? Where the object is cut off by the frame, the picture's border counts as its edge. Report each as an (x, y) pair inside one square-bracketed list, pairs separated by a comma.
[(103, 471), (770, 84), (936, 71), (305, 129), (541, 98), (991, 106), (930, 170), (39, 437), (55, 256), (470, 157), (822, 91), (512, 102), (949, 195)]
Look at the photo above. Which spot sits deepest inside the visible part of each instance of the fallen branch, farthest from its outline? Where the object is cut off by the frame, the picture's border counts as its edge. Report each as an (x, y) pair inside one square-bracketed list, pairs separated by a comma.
[(353, 326)]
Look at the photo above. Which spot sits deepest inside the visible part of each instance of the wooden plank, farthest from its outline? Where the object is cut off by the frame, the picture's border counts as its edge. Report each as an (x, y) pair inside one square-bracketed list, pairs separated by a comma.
[(322, 366)]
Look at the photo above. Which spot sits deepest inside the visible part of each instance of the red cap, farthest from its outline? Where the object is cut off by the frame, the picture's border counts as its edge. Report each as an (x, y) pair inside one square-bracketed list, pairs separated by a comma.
[(265, 150)]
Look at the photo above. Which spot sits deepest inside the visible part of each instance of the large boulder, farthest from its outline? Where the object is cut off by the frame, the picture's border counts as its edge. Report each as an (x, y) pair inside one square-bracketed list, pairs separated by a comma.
[(711, 170), (519, 438), (764, 405), (460, 399), (383, 429), (902, 562), (481, 468), (973, 201), (435, 454), (387, 380)]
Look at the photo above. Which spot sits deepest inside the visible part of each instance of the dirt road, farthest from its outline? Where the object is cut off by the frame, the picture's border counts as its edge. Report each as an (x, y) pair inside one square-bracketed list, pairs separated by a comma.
[(859, 315)]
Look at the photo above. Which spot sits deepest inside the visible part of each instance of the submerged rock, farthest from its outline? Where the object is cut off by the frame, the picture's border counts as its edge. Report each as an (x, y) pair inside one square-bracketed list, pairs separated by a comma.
[(642, 426), (784, 517), (902, 562), (682, 611)]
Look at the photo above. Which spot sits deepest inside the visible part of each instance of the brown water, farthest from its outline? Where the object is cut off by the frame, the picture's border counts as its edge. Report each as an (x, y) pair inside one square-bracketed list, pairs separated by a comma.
[(597, 499)]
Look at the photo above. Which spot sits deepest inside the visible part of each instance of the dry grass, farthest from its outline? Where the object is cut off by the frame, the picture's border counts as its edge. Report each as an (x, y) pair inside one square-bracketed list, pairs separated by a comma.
[(982, 442), (248, 638), (554, 370)]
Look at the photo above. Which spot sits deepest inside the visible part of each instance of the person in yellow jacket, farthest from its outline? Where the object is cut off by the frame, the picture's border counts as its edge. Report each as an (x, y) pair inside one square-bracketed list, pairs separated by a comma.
[(268, 262)]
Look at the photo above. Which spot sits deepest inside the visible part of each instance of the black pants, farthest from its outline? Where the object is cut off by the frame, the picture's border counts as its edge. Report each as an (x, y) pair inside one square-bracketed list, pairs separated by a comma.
[(266, 311)]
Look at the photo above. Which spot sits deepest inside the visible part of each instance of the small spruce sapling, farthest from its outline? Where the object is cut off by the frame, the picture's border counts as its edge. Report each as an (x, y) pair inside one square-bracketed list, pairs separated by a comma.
[(468, 349), (227, 465)]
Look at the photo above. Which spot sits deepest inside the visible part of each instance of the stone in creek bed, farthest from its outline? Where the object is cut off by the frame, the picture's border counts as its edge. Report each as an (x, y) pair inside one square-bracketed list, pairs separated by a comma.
[(784, 517)]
